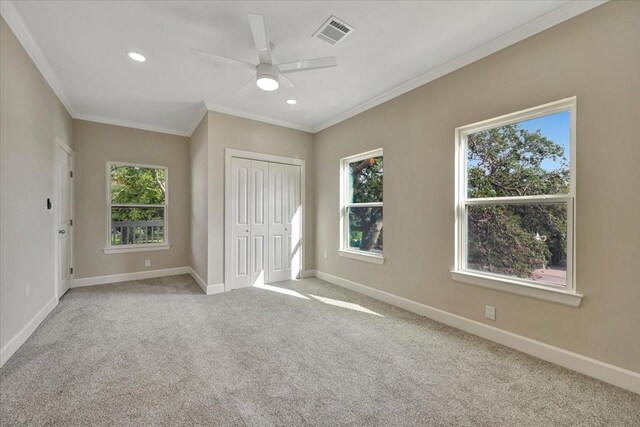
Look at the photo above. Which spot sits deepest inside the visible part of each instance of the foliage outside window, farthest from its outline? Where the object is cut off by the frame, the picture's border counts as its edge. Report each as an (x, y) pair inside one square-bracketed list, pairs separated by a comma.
[(137, 204), (362, 179), (516, 196)]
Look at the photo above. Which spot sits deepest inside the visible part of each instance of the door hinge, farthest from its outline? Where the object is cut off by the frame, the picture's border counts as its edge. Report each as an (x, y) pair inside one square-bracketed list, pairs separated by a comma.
[(71, 270), (71, 174), (71, 222)]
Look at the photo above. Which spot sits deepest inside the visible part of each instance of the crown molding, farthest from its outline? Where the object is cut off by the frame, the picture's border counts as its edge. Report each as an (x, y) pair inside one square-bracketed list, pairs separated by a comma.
[(233, 112), (181, 132), (128, 124), (563, 13), (14, 20)]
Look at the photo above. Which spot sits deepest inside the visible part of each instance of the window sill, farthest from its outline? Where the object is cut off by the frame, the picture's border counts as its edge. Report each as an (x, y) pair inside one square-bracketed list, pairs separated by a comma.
[(544, 293), (136, 248), (362, 256)]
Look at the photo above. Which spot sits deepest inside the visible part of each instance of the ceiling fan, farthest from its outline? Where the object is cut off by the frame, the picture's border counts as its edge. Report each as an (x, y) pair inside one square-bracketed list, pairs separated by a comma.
[(268, 74)]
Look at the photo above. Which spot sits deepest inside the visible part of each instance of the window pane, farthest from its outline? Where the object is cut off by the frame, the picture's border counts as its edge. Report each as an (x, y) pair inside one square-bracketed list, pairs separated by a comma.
[(137, 185), (131, 226), (528, 241), (365, 229), (521, 159), (365, 180)]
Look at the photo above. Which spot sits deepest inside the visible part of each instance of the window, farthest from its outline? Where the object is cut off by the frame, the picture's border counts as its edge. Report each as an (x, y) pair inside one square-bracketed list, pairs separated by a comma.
[(515, 202), (137, 207), (361, 207)]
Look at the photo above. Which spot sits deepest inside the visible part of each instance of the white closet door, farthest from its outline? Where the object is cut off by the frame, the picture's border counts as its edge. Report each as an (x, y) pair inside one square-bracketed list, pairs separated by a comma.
[(277, 212), (284, 222), (266, 224), (240, 232), (293, 223), (258, 192)]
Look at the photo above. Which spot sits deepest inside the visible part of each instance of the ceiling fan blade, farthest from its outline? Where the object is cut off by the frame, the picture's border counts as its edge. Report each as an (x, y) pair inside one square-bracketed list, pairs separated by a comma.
[(289, 83), (246, 89), (260, 37), (223, 59), (308, 64)]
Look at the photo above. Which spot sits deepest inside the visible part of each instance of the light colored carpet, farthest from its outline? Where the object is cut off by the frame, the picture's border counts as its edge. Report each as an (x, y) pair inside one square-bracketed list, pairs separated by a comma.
[(159, 352)]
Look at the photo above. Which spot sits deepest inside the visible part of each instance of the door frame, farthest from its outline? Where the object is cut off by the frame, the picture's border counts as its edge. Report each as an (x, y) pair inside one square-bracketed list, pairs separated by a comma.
[(230, 153), (60, 144)]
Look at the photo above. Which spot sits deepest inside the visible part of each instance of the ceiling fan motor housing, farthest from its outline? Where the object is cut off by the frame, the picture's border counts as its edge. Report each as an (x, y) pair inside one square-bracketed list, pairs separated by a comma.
[(267, 71)]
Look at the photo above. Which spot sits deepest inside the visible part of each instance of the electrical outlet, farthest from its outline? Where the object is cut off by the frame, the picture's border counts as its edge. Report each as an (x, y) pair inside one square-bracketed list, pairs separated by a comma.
[(326, 254), (147, 263), (490, 312), (27, 289)]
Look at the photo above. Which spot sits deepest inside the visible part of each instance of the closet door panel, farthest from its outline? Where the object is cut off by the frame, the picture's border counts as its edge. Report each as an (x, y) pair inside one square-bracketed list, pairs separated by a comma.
[(285, 245), (277, 213), (240, 213), (293, 223), (259, 190)]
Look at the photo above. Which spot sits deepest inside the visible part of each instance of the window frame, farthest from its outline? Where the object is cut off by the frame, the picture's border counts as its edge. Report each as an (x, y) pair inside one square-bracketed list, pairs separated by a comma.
[(142, 247), (566, 294), (345, 250)]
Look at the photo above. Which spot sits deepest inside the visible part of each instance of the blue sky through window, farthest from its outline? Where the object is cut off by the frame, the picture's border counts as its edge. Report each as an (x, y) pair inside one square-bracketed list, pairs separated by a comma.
[(555, 127)]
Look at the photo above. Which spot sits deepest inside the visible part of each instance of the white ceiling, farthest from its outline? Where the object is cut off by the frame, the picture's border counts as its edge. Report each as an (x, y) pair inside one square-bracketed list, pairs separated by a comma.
[(80, 46)]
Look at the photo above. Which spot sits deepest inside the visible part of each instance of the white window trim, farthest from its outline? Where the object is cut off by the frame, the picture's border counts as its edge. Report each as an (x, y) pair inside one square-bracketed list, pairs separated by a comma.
[(146, 247), (560, 294), (362, 256), (344, 250)]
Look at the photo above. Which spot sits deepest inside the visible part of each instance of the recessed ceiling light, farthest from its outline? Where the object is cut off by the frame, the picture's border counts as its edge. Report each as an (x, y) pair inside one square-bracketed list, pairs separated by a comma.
[(136, 56), (292, 101)]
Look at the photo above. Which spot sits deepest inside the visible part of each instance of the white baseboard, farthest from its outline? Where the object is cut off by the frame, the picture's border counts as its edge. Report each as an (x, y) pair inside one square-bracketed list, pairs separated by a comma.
[(198, 280), (611, 374), (207, 289), (215, 288), (14, 343), (138, 275)]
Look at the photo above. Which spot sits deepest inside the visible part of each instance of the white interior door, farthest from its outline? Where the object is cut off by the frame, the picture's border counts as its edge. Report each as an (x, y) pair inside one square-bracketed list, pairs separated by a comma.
[(240, 232), (284, 222), (258, 192), (63, 217)]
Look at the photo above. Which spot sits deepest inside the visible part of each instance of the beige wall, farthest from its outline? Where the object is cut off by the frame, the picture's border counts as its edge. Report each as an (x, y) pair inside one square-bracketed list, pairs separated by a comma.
[(198, 150), (31, 118), (98, 143), (227, 131), (595, 56)]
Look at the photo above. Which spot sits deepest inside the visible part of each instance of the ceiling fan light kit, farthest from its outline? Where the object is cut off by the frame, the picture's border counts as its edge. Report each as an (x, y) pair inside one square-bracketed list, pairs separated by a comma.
[(267, 77), (268, 74)]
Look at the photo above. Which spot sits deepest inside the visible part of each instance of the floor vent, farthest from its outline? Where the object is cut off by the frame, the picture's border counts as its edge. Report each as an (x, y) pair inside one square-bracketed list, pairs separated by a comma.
[(333, 31)]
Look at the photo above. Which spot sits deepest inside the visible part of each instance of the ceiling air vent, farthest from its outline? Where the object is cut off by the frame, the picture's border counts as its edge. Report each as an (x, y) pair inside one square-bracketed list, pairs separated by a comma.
[(334, 31)]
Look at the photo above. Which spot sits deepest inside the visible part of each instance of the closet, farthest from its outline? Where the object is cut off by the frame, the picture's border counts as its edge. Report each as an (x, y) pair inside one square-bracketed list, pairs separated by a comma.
[(266, 222)]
